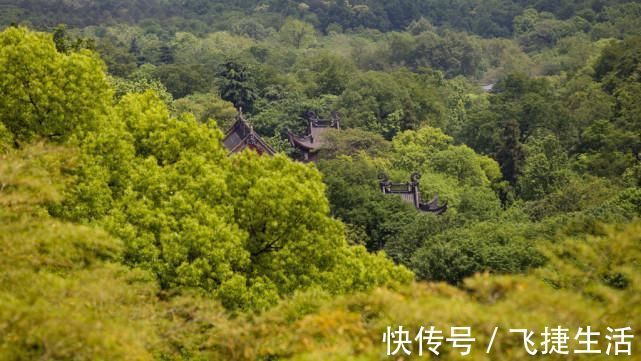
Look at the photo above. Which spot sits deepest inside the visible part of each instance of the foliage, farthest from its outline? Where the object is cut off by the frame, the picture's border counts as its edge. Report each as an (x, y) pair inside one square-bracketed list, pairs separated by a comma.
[(52, 269), (296, 33), (544, 170), (204, 232), (351, 327), (353, 141), (47, 94), (237, 85), (377, 102), (141, 85), (60, 268), (120, 206), (207, 106), (324, 73), (484, 247), (6, 139), (187, 213)]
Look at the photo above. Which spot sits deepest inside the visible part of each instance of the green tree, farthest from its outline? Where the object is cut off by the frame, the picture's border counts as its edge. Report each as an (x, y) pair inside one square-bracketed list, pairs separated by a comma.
[(296, 33), (6, 139), (453, 53), (166, 54), (292, 242), (510, 152), (484, 247), (414, 148), (544, 170), (46, 93), (207, 106), (607, 149), (182, 80), (324, 73), (237, 85), (355, 198), (52, 269), (352, 142), (140, 85), (66, 43), (374, 101)]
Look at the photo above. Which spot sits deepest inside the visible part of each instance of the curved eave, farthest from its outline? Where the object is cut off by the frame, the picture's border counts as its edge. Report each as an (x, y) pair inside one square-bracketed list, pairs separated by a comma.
[(299, 142), (433, 209)]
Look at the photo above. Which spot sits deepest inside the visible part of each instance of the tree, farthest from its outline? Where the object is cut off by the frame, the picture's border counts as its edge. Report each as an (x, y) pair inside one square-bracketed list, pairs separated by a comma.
[(618, 62), (454, 53), (461, 163), (355, 198), (6, 139), (510, 154), (251, 28), (296, 33), (292, 242), (545, 168), (208, 106), (420, 26), (134, 49), (414, 148), (519, 109), (324, 74), (60, 39), (69, 269), (466, 180), (119, 61), (140, 85), (374, 101), (166, 55), (182, 80), (608, 150), (237, 85), (351, 142), (484, 247), (65, 43), (46, 93)]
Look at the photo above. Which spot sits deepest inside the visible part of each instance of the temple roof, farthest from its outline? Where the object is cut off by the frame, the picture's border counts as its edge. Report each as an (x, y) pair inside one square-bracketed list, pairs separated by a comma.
[(409, 192), (241, 135), (433, 206), (313, 140)]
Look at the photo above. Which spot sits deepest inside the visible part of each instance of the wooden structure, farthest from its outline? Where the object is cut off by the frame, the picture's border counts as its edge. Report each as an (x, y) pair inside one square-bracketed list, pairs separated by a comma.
[(241, 135), (310, 143), (410, 192)]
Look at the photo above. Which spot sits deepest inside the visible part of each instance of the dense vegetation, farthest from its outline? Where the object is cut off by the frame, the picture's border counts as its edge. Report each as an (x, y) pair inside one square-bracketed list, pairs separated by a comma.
[(120, 206)]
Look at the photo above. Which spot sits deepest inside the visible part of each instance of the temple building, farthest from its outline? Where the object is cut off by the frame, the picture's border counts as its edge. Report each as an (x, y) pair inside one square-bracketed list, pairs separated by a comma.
[(241, 135), (410, 192), (309, 144)]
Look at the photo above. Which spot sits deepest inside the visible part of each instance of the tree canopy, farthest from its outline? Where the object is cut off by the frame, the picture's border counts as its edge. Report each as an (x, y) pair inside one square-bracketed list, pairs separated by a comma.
[(129, 231)]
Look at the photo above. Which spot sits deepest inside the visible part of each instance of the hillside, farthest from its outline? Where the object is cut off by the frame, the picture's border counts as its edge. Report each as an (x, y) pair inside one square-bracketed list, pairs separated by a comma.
[(129, 230)]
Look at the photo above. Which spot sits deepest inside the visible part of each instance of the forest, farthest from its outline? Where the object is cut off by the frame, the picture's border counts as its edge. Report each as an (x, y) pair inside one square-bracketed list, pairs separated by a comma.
[(128, 231)]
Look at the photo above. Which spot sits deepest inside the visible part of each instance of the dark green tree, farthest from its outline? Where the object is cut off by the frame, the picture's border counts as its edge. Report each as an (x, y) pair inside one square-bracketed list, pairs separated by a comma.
[(237, 85), (166, 55), (510, 153)]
